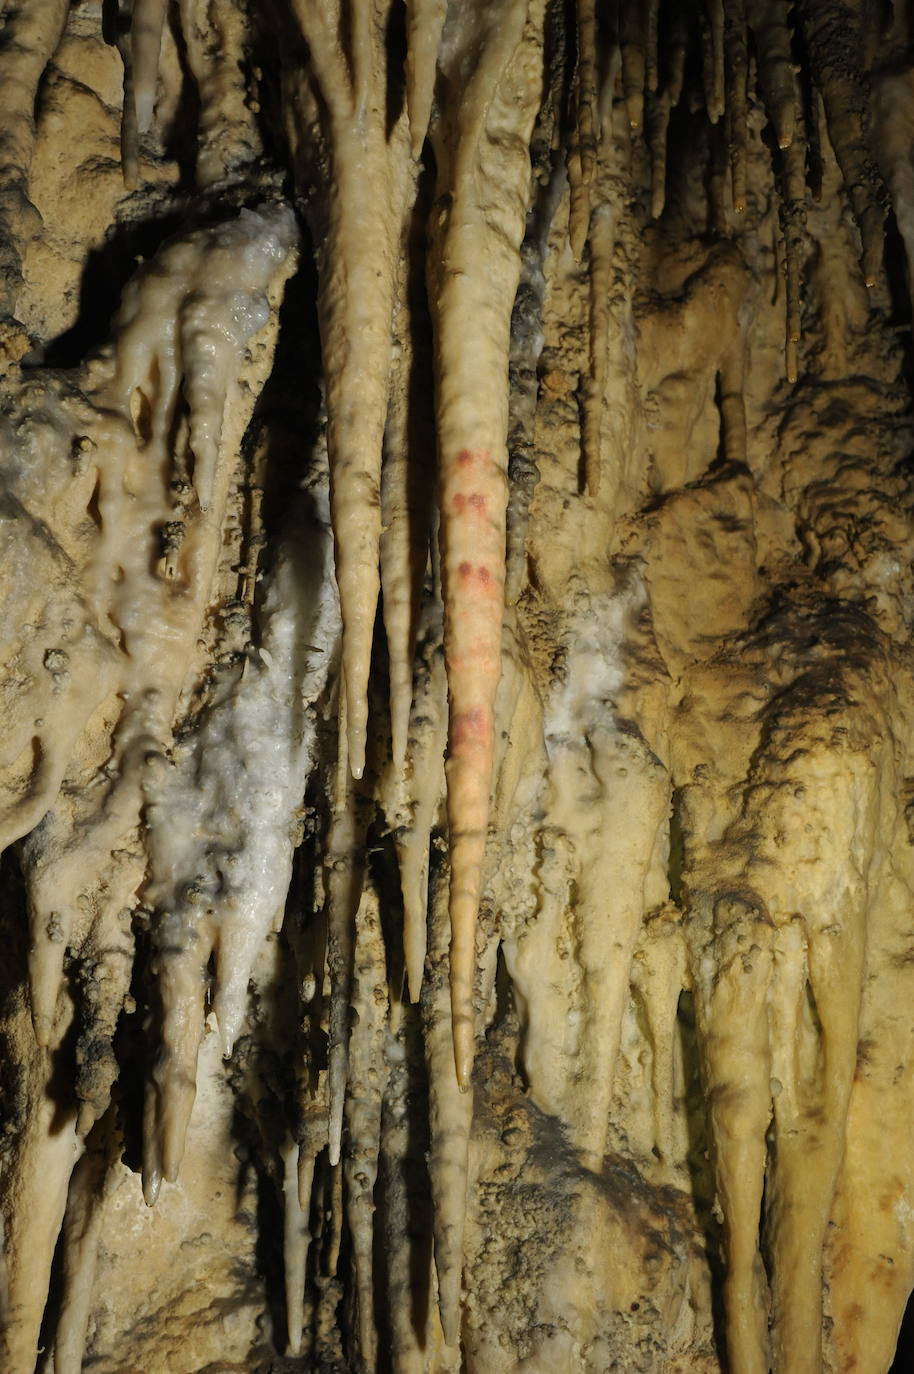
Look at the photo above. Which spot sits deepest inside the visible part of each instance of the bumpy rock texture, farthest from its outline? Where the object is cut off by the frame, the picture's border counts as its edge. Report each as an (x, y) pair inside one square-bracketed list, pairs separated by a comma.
[(456, 686)]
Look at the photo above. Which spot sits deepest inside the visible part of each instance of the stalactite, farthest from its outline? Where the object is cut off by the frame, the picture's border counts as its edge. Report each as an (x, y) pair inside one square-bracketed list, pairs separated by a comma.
[(295, 1244), (80, 1237), (587, 87), (633, 744), (147, 21), (526, 349), (416, 804), (365, 1090), (832, 36), (30, 34), (370, 172), (652, 42), (733, 402), (228, 138), (658, 119), (633, 63), (417, 1341), (737, 62), (345, 872), (424, 20), (793, 218), (893, 109), (38, 1176), (772, 36), (582, 153), (407, 485), (715, 80), (492, 118), (734, 971), (660, 971), (591, 769), (678, 40), (450, 1117), (782, 100)]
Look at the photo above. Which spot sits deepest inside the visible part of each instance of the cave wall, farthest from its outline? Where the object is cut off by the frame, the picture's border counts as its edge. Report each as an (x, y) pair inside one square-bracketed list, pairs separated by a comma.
[(456, 686)]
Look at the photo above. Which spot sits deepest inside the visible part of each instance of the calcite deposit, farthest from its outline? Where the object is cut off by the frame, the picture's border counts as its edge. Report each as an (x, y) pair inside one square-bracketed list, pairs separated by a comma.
[(456, 686)]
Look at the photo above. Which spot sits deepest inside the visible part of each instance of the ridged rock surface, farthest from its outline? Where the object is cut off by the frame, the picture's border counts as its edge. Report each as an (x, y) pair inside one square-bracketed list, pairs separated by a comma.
[(456, 687)]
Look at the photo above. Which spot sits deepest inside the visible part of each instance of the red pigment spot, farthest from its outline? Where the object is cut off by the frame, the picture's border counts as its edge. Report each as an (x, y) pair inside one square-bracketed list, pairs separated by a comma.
[(465, 570), (476, 502), (484, 576), (466, 456), (469, 728)]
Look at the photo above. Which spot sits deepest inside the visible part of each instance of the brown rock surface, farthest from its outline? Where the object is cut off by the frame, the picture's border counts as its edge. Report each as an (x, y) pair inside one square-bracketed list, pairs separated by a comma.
[(343, 343)]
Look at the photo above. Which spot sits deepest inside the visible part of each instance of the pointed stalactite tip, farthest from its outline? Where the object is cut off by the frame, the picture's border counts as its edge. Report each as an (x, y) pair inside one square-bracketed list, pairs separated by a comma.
[(464, 1047)]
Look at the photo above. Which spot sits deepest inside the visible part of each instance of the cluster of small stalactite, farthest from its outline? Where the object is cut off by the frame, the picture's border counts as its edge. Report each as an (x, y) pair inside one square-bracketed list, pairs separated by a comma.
[(348, 714)]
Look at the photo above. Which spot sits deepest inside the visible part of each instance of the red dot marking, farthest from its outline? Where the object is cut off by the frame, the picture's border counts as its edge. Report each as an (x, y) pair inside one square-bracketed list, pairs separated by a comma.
[(484, 576), (475, 501), (465, 570), (469, 727)]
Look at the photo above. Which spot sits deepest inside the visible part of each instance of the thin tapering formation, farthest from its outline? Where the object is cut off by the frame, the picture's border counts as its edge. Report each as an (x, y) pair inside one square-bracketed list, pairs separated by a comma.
[(455, 685)]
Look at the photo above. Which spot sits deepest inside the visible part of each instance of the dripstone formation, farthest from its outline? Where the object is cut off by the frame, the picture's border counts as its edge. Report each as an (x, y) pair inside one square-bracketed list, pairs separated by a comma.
[(456, 686)]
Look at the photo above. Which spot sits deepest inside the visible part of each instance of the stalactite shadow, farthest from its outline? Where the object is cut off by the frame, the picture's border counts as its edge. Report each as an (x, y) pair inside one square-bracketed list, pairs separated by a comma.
[(132, 1051), (15, 1008), (700, 1167), (106, 273), (288, 411), (899, 288), (416, 1182), (51, 1316), (262, 67), (395, 42), (182, 136), (385, 876), (903, 1362), (269, 1226), (13, 970)]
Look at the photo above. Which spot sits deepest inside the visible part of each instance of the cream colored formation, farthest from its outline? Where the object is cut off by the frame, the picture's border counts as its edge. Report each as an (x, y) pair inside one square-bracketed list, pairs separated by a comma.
[(456, 687)]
